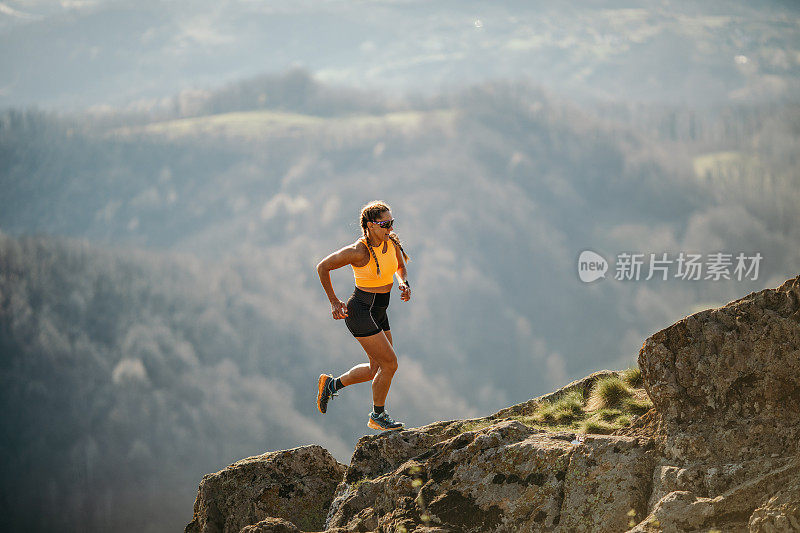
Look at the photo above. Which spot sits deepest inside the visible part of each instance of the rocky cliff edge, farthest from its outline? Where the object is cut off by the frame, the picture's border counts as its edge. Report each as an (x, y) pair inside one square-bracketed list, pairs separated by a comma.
[(718, 451)]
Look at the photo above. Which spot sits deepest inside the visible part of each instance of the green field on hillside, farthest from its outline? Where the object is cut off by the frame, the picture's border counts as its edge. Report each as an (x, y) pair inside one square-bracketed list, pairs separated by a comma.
[(256, 124)]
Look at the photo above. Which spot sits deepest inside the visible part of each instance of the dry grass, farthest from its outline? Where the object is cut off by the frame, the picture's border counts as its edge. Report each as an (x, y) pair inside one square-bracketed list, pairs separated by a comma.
[(632, 376), (636, 405), (598, 426), (608, 393), (562, 410), (612, 404)]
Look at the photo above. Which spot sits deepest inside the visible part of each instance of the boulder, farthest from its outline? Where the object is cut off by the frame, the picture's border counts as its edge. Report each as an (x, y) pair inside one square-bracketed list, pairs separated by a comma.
[(748, 495), (726, 381), (295, 485), (608, 484), (678, 512), (271, 525), (781, 513), (505, 477), (384, 452)]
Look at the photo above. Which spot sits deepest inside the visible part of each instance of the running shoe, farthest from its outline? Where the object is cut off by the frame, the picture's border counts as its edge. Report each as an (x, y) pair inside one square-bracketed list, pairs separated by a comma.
[(383, 421), (324, 392)]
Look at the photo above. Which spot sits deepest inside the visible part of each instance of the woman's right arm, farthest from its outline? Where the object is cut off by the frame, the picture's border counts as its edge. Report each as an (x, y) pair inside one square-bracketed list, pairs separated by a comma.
[(338, 259)]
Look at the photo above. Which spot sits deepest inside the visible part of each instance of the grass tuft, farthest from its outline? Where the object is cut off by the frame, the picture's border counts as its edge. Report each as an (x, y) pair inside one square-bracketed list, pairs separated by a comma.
[(608, 393), (571, 401), (562, 410), (623, 421), (608, 415), (637, 407), (632, 376), (592, 425), (612, 405)]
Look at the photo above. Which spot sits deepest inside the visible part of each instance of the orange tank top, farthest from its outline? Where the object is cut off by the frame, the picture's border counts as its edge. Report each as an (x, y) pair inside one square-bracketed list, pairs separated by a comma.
[(367, 276)]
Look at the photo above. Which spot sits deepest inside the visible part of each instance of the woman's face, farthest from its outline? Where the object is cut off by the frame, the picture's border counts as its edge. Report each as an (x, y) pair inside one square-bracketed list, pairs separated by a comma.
[(382, 233)]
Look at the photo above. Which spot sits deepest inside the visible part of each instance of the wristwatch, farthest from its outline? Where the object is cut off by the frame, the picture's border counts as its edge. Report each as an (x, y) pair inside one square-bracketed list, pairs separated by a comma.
[(407, 283)]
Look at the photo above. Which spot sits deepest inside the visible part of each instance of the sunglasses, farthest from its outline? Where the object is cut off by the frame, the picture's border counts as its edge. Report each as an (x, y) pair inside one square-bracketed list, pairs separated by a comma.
[(384, 223)]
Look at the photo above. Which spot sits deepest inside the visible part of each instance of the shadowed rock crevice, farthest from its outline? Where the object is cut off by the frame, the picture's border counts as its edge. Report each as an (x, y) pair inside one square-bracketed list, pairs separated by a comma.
[(454, 509)]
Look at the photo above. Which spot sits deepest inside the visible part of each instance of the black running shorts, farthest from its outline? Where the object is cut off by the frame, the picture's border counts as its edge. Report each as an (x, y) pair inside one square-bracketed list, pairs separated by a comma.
[(366, 313)]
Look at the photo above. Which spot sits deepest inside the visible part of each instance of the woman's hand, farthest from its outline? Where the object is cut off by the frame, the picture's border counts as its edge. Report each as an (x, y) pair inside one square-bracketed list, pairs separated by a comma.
[(338, 309), (406, 292)]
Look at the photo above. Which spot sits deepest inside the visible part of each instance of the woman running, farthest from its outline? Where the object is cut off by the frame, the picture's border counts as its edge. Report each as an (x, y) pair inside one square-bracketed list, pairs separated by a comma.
[(375, 258)]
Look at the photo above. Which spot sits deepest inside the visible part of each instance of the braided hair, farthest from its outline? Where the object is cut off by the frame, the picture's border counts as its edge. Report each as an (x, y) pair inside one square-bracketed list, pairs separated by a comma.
[(370, 213)]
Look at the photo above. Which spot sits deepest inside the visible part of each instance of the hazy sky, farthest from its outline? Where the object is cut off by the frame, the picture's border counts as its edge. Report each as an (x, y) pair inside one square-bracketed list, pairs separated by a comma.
[(78, 53)]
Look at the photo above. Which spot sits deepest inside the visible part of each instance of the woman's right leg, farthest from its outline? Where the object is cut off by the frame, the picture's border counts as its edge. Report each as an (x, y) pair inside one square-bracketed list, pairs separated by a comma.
[(380, 369), (363, 372)]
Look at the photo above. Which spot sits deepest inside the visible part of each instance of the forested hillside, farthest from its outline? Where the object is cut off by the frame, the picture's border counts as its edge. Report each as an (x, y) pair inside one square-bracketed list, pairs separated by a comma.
[(126, 373)]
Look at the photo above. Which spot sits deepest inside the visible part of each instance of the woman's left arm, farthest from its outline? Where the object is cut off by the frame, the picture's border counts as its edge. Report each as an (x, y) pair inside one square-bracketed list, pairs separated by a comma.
[(402, 276)]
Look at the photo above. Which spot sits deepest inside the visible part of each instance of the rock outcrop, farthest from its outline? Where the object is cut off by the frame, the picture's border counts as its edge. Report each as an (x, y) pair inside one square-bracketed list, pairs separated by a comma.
[(274, 492), (727, 381), (725, 384), (719, 451)]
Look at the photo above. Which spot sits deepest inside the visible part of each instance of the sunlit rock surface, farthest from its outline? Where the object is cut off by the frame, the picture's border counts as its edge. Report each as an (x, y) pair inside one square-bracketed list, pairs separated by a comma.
[(295, 485), (727, 381)]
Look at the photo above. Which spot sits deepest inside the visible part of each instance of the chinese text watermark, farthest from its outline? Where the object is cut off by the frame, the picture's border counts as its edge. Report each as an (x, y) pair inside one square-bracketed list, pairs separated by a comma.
[(684, 266)]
